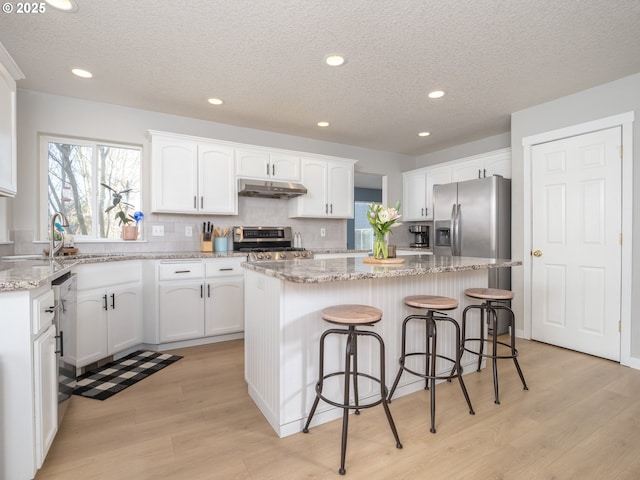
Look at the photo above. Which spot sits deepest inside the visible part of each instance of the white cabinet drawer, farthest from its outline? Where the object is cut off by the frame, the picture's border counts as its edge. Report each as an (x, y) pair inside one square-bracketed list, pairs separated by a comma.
[(43, 312), (180, 270), (225, 267)]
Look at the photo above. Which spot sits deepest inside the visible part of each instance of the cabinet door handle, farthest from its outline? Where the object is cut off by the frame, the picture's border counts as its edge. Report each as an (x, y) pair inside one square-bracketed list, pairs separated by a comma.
[(273, 170), (479, 173), (61, 350), (485, 173), (113, 300), (105, 306), (326, 208), (332, 208), (195, 202), (426, 211), (202, 202), (209, 290), (201, 291), (422, 212)]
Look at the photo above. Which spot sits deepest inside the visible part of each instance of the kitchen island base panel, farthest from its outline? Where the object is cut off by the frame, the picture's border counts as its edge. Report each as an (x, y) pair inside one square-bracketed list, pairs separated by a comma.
[(283, 325)]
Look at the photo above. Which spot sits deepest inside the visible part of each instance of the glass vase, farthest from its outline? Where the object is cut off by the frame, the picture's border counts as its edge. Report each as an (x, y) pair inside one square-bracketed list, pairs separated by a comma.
[(380, 249)]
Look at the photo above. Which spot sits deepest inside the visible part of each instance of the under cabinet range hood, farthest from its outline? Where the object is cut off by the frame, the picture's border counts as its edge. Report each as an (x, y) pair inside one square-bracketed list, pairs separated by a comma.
[(267, 189)]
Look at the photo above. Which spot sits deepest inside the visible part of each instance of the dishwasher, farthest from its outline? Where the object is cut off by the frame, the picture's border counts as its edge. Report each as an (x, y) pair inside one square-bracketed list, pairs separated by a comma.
[(65, 319)]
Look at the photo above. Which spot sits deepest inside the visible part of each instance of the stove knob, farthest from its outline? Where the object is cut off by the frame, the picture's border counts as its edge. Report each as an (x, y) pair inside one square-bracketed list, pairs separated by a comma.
[(283, 255), (296, 254), (259, 256), (267, 256)]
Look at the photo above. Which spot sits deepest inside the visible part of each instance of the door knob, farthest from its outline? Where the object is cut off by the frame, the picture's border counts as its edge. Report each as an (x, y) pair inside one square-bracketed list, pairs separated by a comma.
[(537, 253)]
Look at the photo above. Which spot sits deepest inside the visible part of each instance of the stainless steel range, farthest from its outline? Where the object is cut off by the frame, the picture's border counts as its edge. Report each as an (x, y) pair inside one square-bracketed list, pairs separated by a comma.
[(267, 243)]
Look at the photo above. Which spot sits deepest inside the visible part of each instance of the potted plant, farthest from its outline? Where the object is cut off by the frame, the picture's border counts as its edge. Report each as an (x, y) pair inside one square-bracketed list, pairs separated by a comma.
[(129, 232)]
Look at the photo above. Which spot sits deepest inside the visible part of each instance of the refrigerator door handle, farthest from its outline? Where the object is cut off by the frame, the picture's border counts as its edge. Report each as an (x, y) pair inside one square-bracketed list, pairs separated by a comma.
[(452, 230), (458, 246)]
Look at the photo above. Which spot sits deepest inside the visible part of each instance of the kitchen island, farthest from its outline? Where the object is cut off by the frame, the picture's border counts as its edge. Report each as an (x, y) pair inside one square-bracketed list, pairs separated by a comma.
[(283, 324)]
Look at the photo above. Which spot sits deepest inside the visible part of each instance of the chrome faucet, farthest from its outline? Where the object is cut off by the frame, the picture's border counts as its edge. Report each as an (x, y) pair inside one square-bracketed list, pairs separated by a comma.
[(53, 248)]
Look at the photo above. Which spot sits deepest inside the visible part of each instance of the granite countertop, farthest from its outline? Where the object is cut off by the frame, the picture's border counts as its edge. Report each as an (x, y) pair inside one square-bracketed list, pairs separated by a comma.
[(351, 268), (25, 273)]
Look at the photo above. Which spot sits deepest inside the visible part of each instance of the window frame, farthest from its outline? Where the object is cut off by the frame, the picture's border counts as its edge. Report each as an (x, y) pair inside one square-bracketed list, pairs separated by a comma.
[(42, 231)]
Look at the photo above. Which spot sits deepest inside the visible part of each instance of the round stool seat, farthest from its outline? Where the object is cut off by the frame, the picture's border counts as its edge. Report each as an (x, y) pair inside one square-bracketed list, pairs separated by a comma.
[(489, 293), (431, 302), (352, 314)]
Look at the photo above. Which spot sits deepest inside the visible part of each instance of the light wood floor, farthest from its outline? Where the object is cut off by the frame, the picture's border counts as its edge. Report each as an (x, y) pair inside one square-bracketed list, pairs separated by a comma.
[(194, 420)]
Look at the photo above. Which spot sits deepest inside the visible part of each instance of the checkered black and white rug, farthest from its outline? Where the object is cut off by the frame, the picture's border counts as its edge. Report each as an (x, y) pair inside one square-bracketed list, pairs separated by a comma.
[(116, 376)]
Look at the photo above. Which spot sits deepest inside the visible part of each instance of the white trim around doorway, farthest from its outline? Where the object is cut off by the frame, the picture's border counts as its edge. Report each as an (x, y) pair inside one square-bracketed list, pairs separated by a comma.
[(625, 120)]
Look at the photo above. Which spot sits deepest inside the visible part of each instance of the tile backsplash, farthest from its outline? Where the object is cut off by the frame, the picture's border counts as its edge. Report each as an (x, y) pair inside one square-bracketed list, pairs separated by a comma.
[(251, 211)]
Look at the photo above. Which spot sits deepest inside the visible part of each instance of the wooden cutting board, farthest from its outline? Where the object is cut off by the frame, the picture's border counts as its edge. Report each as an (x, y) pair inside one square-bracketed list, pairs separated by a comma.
[(384, 261)]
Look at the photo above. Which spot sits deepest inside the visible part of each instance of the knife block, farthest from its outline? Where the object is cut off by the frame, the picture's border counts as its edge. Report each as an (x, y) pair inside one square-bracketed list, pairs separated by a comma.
[(206, 245)]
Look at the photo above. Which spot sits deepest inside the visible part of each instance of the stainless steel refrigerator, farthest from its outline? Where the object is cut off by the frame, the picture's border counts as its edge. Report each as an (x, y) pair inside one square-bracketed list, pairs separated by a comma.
[(473, 219)]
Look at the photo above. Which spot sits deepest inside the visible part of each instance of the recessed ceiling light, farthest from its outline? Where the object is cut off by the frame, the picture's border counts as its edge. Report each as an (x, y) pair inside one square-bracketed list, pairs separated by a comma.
[(424, 134), (81, 73), (323, 124), (63, 5), (334, 60), (215, 101), (436, 94)]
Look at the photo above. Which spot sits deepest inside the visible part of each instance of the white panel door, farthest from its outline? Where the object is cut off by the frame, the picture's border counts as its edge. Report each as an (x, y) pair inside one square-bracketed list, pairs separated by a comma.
[(576, 192)]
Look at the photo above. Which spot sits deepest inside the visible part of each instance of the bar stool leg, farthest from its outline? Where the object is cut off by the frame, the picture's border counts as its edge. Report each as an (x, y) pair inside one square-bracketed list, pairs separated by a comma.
[(431, 358), (345, 410), (514, 352), (319, 385), (481, 337), (383, 390), (493, 318), (402, 358), (354, 355)]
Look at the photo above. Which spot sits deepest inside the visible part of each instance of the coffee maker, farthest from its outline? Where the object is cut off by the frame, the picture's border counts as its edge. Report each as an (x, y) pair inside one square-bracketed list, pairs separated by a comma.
[(421, 233)]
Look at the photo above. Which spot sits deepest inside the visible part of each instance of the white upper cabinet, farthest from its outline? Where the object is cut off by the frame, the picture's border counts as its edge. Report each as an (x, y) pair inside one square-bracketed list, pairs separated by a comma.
[(267, 164), (414, 195), (8, 159), (417, 191), (418, 184), (191, 176), (329, 185), (481, 166)]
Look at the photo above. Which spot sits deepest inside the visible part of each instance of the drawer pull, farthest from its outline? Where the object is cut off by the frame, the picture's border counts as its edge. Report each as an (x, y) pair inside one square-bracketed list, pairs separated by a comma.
[(225, 269), (182, 271)]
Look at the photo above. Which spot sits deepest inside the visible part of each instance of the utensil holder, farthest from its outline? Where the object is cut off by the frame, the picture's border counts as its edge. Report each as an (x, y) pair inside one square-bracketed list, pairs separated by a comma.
[(205, 245), (220, 244)]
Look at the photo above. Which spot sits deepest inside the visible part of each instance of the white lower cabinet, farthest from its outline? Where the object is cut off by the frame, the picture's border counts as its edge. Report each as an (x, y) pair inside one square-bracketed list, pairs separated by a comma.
[(109, 309), (181, 310), (200, 298), (46, 392), (224, 306)]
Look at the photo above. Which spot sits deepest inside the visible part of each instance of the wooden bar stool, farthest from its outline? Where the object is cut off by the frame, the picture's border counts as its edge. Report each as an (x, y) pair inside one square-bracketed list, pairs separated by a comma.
[(351, 316), (494, 300), (434, 305)]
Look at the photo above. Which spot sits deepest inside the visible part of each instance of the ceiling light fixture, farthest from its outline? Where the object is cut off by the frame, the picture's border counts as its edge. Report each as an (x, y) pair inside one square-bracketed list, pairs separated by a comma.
[(81, 73), (424, 134), (215, 101), (323, 124), (334, 60), (436, 94), (63, 5)]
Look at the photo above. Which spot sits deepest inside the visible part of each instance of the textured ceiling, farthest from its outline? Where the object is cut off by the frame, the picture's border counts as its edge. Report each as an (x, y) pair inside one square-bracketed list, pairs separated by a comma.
[(265, 59)]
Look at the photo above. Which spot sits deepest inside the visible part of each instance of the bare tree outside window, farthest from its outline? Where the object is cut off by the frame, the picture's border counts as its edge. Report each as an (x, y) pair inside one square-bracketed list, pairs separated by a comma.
[(76, 170)]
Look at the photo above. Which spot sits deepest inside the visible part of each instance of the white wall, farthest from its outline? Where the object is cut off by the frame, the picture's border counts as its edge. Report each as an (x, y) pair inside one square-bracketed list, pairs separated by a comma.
[(49, 114), (606, 100)]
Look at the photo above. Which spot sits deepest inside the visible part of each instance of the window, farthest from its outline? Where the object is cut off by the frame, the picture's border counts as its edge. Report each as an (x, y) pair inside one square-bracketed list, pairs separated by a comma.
[(77, 170), (363, 229)]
